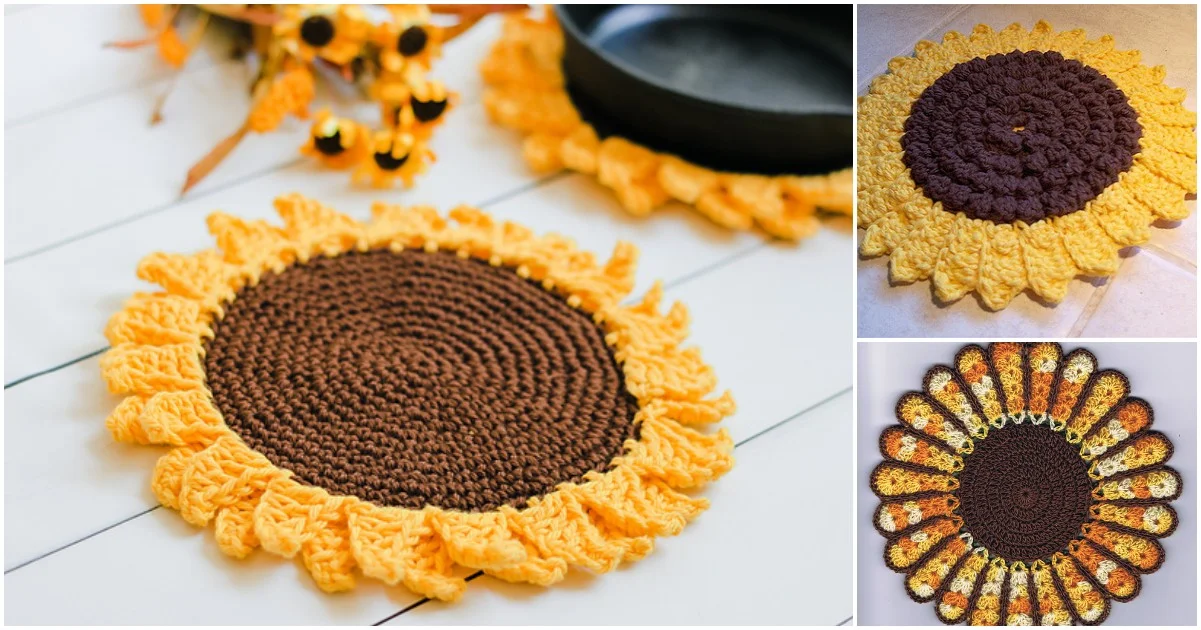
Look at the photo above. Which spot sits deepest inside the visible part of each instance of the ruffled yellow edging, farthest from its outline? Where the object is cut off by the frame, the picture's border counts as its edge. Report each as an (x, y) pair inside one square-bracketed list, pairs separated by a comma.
[(211, 475), (525, 92), (998, 261)]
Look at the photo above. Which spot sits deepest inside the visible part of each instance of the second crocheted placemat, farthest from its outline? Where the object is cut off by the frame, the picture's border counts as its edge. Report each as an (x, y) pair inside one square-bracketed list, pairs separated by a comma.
[(1024, 487), (415, 394), (526, 92), (1012, 160)]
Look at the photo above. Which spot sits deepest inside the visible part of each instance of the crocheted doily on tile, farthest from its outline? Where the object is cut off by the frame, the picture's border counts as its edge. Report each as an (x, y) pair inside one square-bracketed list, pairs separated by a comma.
[(526, 92), (1024, 487), (1013, 160), (415, 394)]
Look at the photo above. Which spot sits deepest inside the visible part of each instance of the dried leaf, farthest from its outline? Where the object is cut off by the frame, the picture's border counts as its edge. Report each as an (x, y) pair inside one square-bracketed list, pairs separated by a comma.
[(214, 157)]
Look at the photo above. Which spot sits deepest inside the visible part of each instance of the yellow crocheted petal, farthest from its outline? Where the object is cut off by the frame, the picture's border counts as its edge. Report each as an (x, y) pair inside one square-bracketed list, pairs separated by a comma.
[(1051, 608), (257, 244), (1132, 416), (902, 445), (953, 603), (224, 474), (396, 545), (924, 581), (318, 229), (1149, 449), (918, 412), (479, 540), (579, 149), (1116, 580), (542, 152), (632, 506), (1143, 553), (894, 516), (167, 479), (1157, 484), (1180, 170), (685, 181), (135, 369), (204, 277), (1091, 249), (170, 418), (719, 208), (1049, 267), (957, 271), (895, 480), (1124, 218), (1002, 269), (292, 518), (1157, 520), (558, 526), (678, 455), (942, 385), (157, 319), (905, 550), (986, 611), (914, 257), (632, 171), (1107, 389), (233, 528), (694, 412), (1088, 604)]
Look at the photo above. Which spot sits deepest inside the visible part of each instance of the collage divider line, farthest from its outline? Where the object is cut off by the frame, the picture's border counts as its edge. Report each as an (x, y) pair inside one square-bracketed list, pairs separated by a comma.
[(426, 600)]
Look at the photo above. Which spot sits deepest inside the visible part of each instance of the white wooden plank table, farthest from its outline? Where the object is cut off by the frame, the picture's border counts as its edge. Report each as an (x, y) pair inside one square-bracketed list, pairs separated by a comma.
[(1153, 294), (85, 540)]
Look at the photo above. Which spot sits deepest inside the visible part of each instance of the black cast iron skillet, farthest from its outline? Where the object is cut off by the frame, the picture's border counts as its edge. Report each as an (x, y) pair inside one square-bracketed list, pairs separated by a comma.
[(763, 89)]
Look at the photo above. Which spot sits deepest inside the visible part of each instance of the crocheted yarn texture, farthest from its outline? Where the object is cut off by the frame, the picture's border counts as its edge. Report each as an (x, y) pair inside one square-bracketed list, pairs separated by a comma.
[(526, 92), (1024, 487), (1017, 159), (415, 393)]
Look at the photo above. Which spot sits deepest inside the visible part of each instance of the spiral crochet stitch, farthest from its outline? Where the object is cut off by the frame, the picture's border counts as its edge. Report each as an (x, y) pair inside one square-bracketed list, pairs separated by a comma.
[(415, 379), (420, 393), (1002, 161), (1019, 137), (1023, 486)]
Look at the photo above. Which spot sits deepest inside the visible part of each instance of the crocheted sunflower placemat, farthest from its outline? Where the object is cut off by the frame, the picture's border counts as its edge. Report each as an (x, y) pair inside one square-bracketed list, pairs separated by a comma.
[(1024, 487), (526, 92), (412, 394), (1018, 159)]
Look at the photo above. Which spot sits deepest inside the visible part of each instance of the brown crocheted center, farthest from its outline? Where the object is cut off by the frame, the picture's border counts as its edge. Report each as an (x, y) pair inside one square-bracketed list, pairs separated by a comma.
[(1024, 492), (412, 379), (1019, 137)]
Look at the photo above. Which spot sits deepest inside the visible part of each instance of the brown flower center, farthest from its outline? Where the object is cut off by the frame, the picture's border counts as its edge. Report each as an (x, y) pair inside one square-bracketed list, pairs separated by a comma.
[(1024, 492), (412, 379), (1019, 137)]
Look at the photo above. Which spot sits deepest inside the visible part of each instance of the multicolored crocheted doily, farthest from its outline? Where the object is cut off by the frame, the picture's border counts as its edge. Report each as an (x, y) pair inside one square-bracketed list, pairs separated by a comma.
[(526, 92), (412, 394), (1024, 487), (1018, 159)]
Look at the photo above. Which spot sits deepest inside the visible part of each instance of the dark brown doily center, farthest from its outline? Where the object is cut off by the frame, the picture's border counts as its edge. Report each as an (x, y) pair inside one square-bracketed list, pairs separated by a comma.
[(1019, 137), (1024, 492), (411, 379)]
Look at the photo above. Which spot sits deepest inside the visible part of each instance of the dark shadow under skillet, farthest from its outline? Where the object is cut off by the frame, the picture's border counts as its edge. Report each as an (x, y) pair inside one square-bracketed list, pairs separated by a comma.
[(759, 89)]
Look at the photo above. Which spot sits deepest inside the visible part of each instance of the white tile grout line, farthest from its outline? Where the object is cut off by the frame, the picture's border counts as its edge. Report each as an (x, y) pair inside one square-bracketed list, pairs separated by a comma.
[(667, 286), (791, 418), (1094, 300)]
